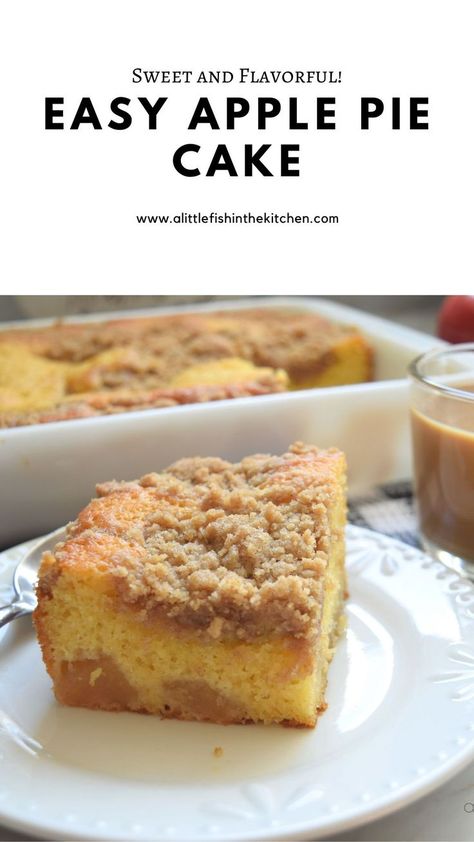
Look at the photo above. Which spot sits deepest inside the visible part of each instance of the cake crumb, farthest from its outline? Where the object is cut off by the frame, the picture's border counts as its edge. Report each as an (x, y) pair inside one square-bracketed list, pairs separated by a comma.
[(95, 674), (218, 751)]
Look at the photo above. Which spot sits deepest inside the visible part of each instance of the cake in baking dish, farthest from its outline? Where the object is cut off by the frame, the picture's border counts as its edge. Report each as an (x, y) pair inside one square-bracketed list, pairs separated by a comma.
[(211, 591), (68, 371)]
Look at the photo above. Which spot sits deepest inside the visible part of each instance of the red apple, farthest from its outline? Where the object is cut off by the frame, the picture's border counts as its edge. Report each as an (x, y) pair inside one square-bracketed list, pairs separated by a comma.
[(456, 319)]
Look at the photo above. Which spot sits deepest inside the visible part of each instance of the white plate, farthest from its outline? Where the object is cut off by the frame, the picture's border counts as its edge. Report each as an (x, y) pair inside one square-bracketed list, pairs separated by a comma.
[(400, 722)]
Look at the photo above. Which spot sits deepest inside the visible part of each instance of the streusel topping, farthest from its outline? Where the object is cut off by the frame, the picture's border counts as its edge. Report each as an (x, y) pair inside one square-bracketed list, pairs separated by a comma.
[(232, 550), (80, 370)]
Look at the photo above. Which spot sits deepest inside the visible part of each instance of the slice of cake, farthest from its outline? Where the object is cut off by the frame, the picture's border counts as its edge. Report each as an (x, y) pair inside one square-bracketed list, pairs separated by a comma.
[(210, 591)]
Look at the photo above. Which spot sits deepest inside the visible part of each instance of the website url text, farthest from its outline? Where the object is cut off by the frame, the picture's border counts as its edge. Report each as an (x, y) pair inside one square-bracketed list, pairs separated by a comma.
[(237, 219)]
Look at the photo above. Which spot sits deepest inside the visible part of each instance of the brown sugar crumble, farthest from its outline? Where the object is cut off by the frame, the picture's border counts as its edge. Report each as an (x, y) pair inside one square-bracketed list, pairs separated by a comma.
[(83, 370), (156, 347), (229, 550)]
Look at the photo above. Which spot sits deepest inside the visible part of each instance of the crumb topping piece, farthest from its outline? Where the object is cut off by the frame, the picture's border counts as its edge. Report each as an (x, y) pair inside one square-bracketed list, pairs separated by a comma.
[(232, 550)]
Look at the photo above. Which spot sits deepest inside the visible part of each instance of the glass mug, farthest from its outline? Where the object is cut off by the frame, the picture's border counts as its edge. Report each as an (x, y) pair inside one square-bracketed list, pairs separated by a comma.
[(442, 419)]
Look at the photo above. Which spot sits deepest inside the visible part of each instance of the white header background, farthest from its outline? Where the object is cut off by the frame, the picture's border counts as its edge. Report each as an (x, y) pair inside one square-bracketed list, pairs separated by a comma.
[(69, 199)]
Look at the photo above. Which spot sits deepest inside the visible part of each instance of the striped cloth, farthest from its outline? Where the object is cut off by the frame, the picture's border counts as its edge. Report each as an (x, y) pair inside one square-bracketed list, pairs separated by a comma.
[(389, 509)]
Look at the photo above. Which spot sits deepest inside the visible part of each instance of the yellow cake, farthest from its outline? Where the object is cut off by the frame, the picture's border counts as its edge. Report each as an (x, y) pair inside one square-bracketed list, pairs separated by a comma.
[(210, 591), (69, 371)]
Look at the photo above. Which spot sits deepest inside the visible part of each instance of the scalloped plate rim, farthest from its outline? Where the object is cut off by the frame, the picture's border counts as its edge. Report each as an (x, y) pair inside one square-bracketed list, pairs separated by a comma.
[(317, 827)]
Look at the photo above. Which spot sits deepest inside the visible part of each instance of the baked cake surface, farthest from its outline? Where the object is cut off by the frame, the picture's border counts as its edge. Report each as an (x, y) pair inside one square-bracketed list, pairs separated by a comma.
[(68, 371), (210, 591)]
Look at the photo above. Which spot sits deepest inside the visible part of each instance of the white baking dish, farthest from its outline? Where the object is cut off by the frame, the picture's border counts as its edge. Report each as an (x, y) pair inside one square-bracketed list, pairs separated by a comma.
[(49, 471)]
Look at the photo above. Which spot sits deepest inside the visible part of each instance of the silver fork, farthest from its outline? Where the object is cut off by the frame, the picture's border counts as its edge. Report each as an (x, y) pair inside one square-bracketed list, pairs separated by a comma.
[(24, 579)]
